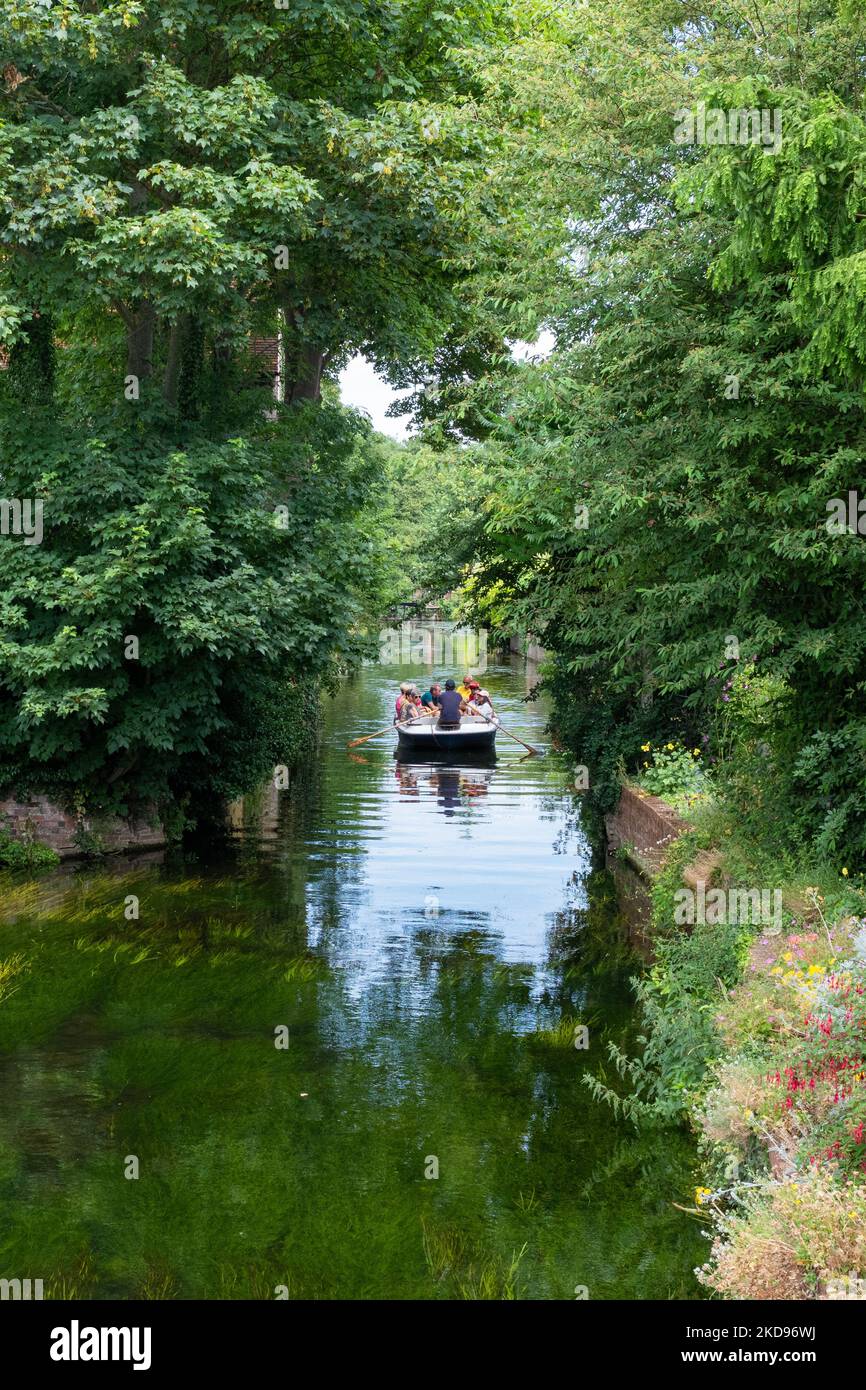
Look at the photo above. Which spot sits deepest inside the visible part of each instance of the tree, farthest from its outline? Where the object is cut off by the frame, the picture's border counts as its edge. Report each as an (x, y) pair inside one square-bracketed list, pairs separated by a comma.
[(662, 483), (176, 160), (176, 180)]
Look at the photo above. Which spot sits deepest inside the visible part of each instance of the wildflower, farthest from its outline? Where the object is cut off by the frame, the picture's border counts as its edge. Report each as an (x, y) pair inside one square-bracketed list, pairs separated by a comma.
[(670, 749), (844, 873), (701, 1195), (645, 747), (696, 752)]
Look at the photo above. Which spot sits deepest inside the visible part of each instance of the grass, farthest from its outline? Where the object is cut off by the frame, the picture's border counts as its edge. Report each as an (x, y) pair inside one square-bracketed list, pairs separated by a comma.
[(475, 1274)]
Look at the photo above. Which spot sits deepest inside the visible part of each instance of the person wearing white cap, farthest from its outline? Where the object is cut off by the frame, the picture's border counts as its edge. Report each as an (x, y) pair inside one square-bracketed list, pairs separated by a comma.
[(482, 704)]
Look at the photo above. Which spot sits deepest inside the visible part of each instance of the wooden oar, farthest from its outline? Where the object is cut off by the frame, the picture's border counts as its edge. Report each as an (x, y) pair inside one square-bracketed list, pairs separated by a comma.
[(401, 724), (528, 746)]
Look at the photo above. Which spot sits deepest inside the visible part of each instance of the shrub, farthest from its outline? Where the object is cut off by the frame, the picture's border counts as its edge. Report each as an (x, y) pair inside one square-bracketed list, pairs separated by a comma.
[(25, 854), (788, 1240), (675, 773)]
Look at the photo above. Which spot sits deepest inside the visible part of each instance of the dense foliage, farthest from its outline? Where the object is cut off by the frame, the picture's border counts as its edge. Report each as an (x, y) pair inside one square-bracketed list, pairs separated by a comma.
[(177, 593), (662, 483), (182, 185)]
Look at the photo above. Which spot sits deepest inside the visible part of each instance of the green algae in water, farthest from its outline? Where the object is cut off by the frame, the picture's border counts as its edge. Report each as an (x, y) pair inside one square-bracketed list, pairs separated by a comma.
[(329, 1093)]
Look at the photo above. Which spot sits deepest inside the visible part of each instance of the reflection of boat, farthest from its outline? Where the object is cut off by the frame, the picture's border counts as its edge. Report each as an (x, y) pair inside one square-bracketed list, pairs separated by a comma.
[(454, 786), (424, 737)]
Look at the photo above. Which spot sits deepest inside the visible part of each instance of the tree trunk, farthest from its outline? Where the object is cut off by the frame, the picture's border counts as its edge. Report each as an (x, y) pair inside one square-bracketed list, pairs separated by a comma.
[(307, 385), (140, 325), (189, 386), (171, 375)]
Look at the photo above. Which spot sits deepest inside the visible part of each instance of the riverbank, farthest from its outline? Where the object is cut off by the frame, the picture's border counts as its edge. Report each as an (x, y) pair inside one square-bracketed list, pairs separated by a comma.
[(756, 1032)]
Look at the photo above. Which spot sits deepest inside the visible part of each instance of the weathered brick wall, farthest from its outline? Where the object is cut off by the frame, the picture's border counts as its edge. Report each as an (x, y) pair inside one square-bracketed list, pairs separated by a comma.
[(40, 819), (645, 824)]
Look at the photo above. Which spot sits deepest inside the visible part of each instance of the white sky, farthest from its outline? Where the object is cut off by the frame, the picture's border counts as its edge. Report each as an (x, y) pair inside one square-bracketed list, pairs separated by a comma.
[(361, 387)]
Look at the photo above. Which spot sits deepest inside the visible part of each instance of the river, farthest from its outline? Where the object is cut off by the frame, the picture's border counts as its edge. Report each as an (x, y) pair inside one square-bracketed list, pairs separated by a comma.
[(335, 1057)]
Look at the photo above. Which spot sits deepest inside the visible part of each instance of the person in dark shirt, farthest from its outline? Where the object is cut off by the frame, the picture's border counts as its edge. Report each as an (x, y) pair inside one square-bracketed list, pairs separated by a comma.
[(451, 706), (430, 698)]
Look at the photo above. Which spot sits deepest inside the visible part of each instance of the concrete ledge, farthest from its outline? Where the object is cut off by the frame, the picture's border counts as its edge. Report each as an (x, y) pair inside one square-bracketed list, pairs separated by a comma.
[(639, 833)]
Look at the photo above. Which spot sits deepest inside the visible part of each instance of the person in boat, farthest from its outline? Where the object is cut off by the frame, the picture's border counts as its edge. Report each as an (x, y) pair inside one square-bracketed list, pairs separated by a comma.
[(471, 685), (451, 706), (409, 703), (430, 698), (482, 702), (464, 687), (398, 703)]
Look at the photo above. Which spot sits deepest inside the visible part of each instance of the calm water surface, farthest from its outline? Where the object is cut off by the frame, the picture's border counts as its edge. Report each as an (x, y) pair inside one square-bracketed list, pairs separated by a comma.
[(422, 941)]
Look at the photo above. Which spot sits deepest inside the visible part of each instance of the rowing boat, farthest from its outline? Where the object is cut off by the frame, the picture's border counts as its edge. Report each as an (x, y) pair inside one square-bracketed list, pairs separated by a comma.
[(425, 736)]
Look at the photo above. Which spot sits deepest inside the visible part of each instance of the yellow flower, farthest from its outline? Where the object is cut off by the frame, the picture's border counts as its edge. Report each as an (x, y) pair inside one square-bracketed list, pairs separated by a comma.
[(696, 752), (844, 873), (701, 1194), (645, 747), (669, 746)]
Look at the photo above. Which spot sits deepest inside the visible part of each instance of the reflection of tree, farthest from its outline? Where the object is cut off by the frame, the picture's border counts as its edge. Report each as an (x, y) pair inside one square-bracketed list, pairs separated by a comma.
[(409, 1035)]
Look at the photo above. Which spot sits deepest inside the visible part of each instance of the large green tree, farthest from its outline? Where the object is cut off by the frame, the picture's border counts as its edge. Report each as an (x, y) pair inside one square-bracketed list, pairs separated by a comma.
[(232, 161), (660, 503), (177, 181)]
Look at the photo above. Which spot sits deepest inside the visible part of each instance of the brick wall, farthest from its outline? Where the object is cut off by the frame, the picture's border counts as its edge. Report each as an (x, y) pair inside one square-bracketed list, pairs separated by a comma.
[(644, 824), (40, 819)]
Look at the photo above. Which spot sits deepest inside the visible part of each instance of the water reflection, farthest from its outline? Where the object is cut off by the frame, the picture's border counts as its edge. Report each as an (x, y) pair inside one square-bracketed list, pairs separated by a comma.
[(453, 787), (428, 935)]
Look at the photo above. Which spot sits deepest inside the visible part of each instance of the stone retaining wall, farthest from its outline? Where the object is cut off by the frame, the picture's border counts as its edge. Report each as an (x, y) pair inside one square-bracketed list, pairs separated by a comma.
[(643, 826), (42, 820), (525, 646)]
